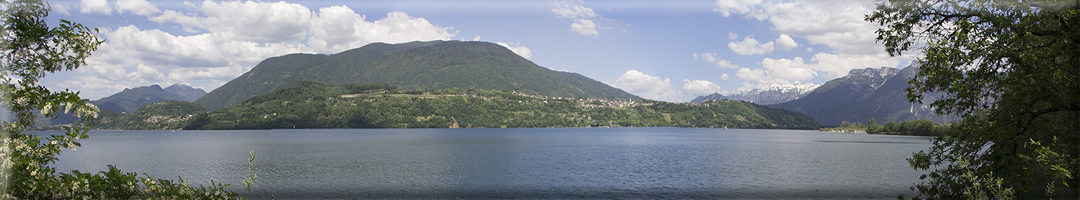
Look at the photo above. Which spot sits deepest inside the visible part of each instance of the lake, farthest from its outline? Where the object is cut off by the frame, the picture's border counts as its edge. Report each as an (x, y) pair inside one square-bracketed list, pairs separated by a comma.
[(558, 163)]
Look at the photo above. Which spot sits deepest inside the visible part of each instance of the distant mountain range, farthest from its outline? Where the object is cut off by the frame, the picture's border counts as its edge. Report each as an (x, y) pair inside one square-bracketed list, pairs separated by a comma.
[(861, 95), (132, 99), (413, 65), (777, 93)]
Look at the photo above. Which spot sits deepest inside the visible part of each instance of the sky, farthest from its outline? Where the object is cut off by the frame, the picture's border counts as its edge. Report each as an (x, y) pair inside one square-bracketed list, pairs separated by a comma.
[(662, 50)]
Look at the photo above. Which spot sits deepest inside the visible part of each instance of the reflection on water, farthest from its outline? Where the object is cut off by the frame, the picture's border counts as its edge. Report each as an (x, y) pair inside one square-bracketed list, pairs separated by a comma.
[(518, 163)]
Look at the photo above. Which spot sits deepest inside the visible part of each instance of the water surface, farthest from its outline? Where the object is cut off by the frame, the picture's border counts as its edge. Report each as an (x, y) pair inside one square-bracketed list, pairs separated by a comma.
[(635, 163)]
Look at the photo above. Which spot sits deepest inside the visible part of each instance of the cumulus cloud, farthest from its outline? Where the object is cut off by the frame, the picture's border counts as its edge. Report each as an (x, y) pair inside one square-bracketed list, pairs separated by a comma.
[(656, 88), (836, 24), (228, 38), (61, 8), (518, 49), (646, 86), (712, 58), (574, 12), (585, 20), (724, 77), (95, 6), (750, 46), (138, 7), (784, 42), (584, 27), (699, 87), (246, 21), (727, 7)]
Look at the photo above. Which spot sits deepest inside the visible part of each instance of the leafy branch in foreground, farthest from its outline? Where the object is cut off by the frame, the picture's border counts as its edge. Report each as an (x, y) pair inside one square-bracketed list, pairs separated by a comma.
[(29, 50), (1010, 69)]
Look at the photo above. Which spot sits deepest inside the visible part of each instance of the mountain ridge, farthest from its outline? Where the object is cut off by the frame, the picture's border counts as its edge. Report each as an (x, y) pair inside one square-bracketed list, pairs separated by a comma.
[(413, 65), (861, 95), (777, 93)]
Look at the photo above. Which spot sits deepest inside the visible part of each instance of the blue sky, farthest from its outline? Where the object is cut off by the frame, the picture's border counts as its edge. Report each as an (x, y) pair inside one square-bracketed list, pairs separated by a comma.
[(662, 50)]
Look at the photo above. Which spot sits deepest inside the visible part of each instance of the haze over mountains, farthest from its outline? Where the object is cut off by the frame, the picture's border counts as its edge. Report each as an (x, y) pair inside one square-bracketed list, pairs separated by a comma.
[(413, 65)]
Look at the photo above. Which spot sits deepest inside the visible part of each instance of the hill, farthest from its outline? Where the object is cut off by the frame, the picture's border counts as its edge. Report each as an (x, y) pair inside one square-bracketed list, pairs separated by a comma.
[(413, 65), (321, 105), (861, 95)]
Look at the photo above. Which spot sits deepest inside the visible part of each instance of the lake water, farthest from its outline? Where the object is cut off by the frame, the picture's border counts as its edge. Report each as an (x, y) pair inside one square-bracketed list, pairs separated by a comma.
[(559, 163)]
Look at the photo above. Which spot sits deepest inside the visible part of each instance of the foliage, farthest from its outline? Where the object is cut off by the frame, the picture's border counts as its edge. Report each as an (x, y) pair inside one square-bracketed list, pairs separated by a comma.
[(321, 105), (29, 50), (413, 65), (1010, 69)]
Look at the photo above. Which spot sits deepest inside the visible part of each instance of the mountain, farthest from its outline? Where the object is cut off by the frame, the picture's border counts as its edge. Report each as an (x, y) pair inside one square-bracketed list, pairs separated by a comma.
[(775, 94), (861, 95), (185, 92), (131, 99), (374, 105), (413, 65), (706, 98)]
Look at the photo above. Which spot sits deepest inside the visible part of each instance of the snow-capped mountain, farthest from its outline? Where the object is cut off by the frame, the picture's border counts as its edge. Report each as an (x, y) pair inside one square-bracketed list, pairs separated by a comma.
[(777, 93)]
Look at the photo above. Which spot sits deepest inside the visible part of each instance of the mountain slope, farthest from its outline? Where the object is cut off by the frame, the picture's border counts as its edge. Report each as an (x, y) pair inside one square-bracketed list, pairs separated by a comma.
[(414, 65), (861, 95)]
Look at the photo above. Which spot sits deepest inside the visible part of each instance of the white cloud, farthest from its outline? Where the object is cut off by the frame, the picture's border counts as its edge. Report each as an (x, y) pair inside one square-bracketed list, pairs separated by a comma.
[(229, 38), (95, 6), (518, 49), (836, 24), (793, 69), (712, 58), (656, 88), (585, 20), (646, 86), (699, 87), (138, 7), (584, 27), (726, 64), (338, 28), (574, 12), (750, 46), (732, 36), (784, 42), (726, 7), (61, 8), (247, 21), (708, 57), (724, 77)]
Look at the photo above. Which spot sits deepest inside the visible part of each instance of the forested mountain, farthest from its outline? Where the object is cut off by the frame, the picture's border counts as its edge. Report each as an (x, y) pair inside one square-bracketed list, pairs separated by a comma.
[(414, 65), (320, 105), (861, 95), (187, 93)]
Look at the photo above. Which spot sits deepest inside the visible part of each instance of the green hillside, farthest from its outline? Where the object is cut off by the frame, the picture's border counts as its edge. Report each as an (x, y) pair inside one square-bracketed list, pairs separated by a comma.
[(320, 105), (414, 65)]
